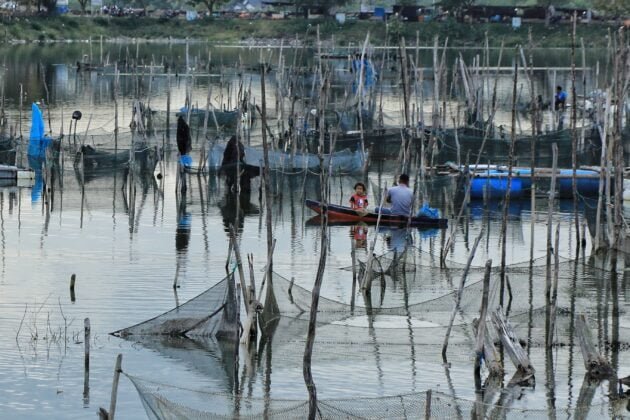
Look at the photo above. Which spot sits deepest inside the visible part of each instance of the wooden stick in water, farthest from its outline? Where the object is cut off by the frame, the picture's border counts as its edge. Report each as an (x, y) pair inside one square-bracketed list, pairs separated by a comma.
[(250, 329), (114, 396), (596, 365), (512, 345), (366, 283), (484, 347), (73, 279), (86, 361), (552, 193), (554, 289), (239, 264), (506, 203), (458, 298), (266, 175)]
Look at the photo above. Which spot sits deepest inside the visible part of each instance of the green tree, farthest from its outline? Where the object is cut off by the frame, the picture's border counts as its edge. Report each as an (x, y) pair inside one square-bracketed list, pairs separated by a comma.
[(208, 3), (83, 4), (616, 8), (456, 7)]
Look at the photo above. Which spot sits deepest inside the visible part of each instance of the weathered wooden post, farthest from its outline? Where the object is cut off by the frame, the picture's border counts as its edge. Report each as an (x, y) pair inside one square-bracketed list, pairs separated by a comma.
[(73, 278), (86, 361), (596, 365), (427, 405), (112, 402), (458, 298)]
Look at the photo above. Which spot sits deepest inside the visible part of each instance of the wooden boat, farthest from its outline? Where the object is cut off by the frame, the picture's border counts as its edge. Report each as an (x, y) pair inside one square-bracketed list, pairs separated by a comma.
[(226, 118), (383, 142), (346, 214), (7, 151), (90, 159), (499, 142)]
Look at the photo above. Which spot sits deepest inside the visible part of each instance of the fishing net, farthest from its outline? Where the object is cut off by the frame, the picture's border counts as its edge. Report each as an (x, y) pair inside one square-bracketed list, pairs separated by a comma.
[(405, 318), (213, 313), (161, 402), (343, 162)]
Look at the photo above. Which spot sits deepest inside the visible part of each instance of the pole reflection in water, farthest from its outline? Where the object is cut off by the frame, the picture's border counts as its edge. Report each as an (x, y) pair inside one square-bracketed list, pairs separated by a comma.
[(182, 240)]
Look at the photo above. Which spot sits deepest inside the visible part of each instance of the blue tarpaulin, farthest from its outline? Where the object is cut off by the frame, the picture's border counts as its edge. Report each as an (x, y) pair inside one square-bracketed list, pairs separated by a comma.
[(427, 211), (38, 142)]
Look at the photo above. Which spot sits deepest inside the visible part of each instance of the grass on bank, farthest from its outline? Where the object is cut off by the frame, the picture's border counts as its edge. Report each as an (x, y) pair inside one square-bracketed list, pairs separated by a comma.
[(61, 28)]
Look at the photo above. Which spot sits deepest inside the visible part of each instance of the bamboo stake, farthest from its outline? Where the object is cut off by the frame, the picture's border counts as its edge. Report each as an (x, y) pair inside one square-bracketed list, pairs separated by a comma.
[(536, 131), (512, 345), (604, 177), (86, 361), (574, 134), (596, 365), (266, 178), (239, 264), (366, 282), (73, 278), (554, 289), (458, 297), (310, 339), (114, 396), (506, 203)]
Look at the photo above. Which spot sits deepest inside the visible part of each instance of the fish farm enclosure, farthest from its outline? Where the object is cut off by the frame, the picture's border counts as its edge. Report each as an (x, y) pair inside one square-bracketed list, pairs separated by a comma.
[(177, 242)]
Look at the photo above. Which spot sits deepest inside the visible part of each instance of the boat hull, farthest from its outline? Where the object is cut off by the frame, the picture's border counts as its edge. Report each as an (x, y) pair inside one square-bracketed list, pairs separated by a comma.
[(338, 214)]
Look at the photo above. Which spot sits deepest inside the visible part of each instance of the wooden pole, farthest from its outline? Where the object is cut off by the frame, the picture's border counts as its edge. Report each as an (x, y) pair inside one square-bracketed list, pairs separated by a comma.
[(266, 175), (86, 361), (310, 339), (574, 144), (548, 281), (366, 281), (511, 344), (506, 203), (484, 348), (239, 264), (73, 278), (554, 289), (427, 406), (596, 365), (114, 396), (458, 297)]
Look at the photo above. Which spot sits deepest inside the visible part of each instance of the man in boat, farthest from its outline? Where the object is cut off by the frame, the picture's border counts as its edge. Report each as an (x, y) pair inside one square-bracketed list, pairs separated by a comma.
[(400, 197)]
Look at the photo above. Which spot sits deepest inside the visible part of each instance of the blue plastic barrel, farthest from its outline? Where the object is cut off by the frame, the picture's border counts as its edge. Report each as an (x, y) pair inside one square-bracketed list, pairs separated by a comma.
[(585, 186), (525, 175), (495, 185)]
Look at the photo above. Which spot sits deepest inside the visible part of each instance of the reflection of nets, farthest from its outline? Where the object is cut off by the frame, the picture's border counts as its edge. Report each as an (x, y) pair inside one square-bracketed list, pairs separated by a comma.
[(212, 313), (161, 402), (428, 292), (411, 259)]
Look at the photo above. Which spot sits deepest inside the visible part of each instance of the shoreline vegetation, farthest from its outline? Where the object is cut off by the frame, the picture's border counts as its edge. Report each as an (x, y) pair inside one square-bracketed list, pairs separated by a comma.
[(264, 32)]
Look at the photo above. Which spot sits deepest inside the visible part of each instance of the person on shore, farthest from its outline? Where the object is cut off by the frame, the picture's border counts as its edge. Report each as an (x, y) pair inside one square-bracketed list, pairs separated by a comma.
[(359, 200), (400, 197), (560, 99)]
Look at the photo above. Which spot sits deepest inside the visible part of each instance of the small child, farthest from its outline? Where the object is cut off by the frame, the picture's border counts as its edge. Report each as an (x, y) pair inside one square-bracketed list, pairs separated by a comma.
[(359, 200)]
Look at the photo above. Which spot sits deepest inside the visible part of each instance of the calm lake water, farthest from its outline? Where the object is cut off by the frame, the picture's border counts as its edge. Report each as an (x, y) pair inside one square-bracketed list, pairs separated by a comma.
[(126, 259)]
